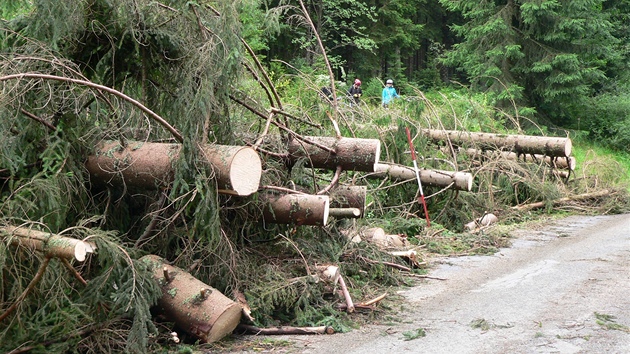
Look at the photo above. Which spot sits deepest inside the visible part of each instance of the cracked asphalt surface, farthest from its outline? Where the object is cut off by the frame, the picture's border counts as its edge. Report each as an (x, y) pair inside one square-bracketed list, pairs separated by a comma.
[(564, 288)]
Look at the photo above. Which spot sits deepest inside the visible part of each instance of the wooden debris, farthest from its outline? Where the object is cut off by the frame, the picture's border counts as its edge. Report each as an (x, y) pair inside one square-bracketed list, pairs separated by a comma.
[(566, 163), (52, 245), (237, 169), (350, 213), (247, 329), (462, 181), (197, 308), (349, 197), (332, 274), (486, 220), (352, 154), (579, 197), (521, 144), (300, 209)]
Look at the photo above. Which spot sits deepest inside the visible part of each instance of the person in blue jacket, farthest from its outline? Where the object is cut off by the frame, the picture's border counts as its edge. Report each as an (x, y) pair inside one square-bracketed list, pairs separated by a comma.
[(389, 92)]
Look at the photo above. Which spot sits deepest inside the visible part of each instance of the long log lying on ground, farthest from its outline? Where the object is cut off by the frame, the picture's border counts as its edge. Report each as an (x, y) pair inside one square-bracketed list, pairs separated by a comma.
[(574, 198), (521, 144), (194, 306), (52, 245), (566, 163), (352, 154), (237, 169), (300, 209), (248, 329), (462, 181), (349, 197)]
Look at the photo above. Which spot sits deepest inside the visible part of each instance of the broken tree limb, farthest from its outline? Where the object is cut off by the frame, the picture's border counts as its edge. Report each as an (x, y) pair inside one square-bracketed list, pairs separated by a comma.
[(237, 169), (247, 329), (346, 295), (537, 205), (51, 245), (349, 197), (300, 209), (352, 154), (462, 181), (521, 144), (199, 309)]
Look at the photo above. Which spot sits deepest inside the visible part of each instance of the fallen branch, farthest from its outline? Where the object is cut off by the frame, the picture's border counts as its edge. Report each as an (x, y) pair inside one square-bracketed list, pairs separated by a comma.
[(248, 329), (38, 276)]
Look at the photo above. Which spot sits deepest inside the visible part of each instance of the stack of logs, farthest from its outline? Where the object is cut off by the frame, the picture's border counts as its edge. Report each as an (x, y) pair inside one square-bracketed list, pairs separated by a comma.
[(209, 315)]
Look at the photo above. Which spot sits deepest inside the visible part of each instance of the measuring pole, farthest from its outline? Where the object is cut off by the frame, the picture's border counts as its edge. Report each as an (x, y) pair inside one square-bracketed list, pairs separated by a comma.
[(415, 168)]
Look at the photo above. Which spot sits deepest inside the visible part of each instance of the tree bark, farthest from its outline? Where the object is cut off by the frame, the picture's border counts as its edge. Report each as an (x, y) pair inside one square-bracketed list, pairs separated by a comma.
[(566, 163), (351, 154), (199, 309), (349, 197), (300, 209), (52, 245), (526, 207), (150, 165), (462, 181), (521, 144), (285, 330)]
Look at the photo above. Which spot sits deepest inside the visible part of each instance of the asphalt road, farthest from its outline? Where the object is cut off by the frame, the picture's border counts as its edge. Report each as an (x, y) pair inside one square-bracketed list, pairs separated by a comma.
[(564, 288)]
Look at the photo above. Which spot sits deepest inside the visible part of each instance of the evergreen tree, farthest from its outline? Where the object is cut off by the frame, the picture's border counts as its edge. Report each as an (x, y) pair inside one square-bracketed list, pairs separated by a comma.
[(550, 55)]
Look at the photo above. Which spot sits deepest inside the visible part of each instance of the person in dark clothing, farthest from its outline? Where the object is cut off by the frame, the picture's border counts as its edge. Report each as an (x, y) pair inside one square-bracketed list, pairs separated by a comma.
[(355, 92), (326, 94)]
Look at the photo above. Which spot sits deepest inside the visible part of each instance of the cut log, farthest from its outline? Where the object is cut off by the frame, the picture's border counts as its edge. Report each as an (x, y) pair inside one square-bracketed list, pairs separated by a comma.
[(579, 197), (462, 181), (566, 163), (349, 197), (197, 308), (237, 169), (247, 329), (352, 154), (300, 209), (377, 236), (486, 220), (50, 244), (350, 213), (521, 144)]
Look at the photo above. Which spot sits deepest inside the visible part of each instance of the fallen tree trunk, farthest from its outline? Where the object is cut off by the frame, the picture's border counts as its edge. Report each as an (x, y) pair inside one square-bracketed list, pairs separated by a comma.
[(521, 144), (566, 163), (352, 154), (248, 329), (526, 207), (300, 209), (52, 245), (462, 181), (237, 169), (197, 308), (349, 197), (348, 213)]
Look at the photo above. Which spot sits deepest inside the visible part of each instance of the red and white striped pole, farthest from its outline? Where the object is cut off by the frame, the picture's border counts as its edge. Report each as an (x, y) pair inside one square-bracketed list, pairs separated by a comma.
[(415, 168)]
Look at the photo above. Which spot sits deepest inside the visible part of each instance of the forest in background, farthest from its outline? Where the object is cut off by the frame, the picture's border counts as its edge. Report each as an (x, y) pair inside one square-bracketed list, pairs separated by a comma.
[(249, 73)]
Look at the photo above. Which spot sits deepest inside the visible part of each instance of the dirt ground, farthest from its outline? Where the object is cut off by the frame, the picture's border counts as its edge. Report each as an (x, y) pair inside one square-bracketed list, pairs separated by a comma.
[(562, 288)]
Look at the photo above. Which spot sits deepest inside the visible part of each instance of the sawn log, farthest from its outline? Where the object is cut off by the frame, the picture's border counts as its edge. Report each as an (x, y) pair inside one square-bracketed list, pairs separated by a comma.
[(237, 169), (521, 144), (194, 306)]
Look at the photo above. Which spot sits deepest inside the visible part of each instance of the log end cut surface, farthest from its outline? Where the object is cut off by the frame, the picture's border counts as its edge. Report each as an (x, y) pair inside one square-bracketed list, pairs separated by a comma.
[(225, 323), (246, 172)]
